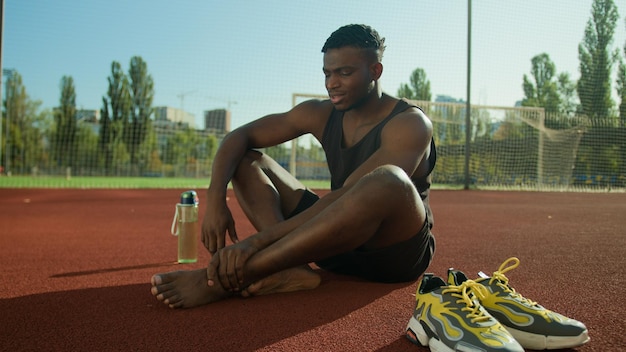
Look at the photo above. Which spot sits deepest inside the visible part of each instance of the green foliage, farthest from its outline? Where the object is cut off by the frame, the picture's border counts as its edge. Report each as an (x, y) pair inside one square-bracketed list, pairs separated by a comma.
[(126, 142), (621, 90), (142, 94), (594, 85), (419, 88), (542, 90), (545, 89), (210, 146), (149, 153), (603, 158), (569, 104), (188, 152), (621, 129), (115, 117), (23, 128), (279, 153), (87, 152), (66, 127)]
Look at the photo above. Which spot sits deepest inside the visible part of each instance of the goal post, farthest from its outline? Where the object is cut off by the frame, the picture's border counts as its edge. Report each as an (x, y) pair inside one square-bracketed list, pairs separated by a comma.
[(510, 147)]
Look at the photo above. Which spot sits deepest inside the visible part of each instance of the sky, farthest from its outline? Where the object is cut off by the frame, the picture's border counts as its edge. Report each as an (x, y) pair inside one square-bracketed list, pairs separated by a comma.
[(251, 56)]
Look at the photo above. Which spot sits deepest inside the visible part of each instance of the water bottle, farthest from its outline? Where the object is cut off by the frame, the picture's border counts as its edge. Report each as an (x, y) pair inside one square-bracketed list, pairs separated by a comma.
[(185, 226)]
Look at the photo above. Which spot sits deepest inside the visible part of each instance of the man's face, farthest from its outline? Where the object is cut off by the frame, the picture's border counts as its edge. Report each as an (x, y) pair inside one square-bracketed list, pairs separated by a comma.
[(350, 76)]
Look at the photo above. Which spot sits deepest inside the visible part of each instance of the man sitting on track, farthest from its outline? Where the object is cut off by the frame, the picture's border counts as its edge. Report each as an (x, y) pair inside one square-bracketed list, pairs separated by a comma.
[(375, 223)]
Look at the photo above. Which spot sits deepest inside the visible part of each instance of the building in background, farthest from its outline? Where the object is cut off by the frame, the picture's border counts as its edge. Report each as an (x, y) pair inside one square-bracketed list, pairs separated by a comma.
[(85, 115), (165, 115), (217, 121), (89, 118)]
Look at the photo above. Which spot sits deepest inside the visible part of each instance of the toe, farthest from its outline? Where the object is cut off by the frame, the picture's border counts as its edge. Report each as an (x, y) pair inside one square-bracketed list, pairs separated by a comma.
[(253, 289), (178, 304)]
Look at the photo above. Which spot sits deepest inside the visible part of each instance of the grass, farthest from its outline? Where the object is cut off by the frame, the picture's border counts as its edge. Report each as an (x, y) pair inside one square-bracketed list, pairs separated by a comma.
[(95, 182), (118, 182)]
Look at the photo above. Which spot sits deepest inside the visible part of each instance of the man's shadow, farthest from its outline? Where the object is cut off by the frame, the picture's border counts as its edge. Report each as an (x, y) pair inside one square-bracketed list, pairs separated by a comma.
[(128, 317)]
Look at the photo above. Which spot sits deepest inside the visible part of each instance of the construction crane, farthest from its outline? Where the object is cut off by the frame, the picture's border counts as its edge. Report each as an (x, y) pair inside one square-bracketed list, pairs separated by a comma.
[(228, 101), (182, 96)]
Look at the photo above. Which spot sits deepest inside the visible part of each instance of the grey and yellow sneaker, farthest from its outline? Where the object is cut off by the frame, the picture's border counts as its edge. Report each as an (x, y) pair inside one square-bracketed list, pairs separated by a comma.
[(449, 318), (532, 325)]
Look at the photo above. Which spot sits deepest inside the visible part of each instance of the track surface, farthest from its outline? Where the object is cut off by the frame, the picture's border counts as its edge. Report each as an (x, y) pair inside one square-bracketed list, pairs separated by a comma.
[(76, 264)]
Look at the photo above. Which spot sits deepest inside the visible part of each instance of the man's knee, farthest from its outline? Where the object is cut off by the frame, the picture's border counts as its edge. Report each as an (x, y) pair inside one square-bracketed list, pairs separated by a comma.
[(389, 177), (389, 184), (252, 158)]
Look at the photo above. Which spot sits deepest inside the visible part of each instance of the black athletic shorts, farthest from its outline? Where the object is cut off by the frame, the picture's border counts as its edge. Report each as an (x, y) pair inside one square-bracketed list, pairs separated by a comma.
[(400, 262)]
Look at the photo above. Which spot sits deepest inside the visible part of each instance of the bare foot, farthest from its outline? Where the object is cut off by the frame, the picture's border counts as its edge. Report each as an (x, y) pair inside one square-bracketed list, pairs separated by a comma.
[(295, 279), (186, 289)]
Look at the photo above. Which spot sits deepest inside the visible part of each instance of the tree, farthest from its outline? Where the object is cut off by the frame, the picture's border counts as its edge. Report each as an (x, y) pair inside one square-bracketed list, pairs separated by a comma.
[(23, 125), (594, 85), (598, 157), (87, 141), (419, 88), (116, 110), (555, 93), (148, 153), (567, 93), (66, 128), (36, 125), (280, 153), (210, 146), (105, 137), (621, 92), (541, 90), (142, 93), (183, 150)]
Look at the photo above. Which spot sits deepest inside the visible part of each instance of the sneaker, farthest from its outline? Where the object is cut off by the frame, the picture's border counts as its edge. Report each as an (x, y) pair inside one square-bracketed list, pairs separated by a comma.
[(449, 318), (532, 325)]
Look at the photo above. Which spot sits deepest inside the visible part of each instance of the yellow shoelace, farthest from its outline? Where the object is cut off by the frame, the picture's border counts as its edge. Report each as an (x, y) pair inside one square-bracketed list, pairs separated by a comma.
[(502, 281), (463, 293)]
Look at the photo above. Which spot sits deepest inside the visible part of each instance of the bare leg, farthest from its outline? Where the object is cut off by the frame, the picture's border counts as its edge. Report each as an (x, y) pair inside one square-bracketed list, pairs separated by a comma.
[(267, 193), (383, 208), (299, 278)]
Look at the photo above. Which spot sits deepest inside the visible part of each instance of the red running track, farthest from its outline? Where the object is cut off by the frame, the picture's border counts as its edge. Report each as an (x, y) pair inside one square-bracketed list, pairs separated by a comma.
[(76, 264)]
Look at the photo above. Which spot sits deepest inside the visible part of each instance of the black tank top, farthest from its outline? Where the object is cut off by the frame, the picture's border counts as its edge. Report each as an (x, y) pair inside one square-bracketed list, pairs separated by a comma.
[(343, 161)]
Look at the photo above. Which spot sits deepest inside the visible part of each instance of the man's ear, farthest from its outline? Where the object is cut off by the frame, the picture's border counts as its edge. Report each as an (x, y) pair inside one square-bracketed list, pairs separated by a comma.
[(376, 70)]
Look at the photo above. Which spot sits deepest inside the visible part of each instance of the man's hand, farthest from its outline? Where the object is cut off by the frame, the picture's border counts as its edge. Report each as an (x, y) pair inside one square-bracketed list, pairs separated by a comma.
[(227, 265), (217, 220)]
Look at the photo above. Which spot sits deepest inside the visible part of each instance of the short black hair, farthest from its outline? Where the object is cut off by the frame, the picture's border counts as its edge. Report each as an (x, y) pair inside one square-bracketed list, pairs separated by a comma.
[(356, 35)]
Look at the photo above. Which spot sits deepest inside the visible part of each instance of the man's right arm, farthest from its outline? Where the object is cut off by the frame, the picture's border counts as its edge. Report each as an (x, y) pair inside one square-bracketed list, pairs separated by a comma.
[(268, 131), (217, 218)]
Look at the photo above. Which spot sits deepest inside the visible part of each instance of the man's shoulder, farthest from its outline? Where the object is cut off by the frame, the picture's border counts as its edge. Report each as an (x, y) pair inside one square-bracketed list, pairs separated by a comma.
[(313, 110), (412, 113), (410, 120), (312, 115), (317, 106)]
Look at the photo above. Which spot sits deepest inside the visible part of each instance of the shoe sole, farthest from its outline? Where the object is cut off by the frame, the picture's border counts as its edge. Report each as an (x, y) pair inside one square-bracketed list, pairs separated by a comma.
[(416, 334), (542, 342)]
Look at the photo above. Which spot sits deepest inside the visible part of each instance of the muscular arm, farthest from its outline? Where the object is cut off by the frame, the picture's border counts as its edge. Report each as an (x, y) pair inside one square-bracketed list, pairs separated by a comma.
[(405, 142), (268, 131)]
